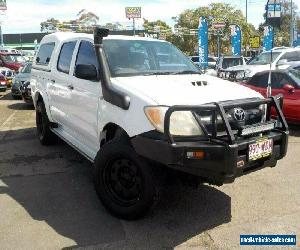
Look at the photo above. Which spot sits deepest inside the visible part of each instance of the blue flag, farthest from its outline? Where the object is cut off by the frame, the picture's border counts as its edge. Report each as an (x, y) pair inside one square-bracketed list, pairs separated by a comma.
[(203, 43), (236, 40), (268, 38)]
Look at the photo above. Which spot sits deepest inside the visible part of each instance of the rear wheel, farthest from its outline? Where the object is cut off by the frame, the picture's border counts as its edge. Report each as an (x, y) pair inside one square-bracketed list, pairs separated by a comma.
[(45, 135), (123, 181)]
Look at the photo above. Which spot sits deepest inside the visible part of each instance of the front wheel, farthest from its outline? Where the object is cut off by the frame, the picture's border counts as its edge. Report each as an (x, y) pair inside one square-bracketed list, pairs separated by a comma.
[(123, 181)]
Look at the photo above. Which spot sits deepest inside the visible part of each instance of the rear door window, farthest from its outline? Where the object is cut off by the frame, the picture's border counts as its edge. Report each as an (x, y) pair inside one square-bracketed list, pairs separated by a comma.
[(65, 57), (45, 52)]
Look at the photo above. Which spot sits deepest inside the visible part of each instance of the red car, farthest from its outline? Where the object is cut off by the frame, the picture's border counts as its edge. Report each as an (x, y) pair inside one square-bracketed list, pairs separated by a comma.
[(3, 83), (12, 61), (285, 82)]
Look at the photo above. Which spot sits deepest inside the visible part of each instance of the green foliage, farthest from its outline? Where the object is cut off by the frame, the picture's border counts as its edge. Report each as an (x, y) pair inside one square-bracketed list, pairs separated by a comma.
[(84, 23), (157, 26), (215, 12)]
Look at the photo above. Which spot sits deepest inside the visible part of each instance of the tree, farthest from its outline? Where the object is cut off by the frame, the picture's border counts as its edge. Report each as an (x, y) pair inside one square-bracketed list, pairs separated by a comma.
[(215, 12), (51, 25), (84, 23), (87, 19), (157, 27)]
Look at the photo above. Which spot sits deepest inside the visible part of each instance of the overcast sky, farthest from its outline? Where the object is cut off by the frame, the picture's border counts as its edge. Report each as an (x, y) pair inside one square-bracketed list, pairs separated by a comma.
[(26, 16)]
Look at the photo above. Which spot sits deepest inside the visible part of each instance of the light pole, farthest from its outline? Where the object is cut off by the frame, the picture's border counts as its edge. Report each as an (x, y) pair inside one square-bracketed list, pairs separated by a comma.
[(246, 11), (292, 25)]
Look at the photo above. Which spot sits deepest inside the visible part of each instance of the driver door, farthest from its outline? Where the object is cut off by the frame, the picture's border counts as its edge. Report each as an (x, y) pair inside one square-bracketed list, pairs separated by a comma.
[(291, 101)]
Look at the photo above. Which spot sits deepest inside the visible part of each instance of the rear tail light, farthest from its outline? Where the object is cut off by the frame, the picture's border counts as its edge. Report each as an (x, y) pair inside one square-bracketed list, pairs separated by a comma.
[(2, 82)]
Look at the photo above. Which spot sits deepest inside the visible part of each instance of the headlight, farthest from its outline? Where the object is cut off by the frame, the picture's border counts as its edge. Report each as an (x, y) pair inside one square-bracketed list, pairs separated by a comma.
[(182, 123)]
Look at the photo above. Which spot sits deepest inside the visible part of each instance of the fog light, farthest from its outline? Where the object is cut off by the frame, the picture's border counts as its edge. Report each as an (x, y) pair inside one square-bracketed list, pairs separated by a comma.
[(195, 155)]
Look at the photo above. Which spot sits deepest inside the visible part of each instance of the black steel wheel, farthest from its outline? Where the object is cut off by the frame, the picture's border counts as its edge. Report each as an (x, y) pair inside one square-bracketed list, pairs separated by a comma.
[(123, 181)]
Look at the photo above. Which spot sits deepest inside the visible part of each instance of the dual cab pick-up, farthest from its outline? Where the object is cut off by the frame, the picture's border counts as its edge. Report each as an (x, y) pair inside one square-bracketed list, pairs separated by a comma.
[(131, 105)]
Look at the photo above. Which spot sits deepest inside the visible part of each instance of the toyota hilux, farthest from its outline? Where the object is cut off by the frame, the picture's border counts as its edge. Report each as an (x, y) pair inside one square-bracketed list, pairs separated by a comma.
[(132, 105)]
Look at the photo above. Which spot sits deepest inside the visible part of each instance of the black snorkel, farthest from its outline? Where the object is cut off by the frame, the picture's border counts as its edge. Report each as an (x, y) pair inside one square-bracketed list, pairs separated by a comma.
[(110, 94)]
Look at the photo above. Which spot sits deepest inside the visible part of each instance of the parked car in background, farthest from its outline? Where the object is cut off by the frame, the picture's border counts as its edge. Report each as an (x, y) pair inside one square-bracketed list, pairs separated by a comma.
[(28, 55), (8, 50), (212, 61), (285, 82), (25, 90), (279, 58), (225, 62), (3, 83), (12, 61), (9, 75), (22, 77)]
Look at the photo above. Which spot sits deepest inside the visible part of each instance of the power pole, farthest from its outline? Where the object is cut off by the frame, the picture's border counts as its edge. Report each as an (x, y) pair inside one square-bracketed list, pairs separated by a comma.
[(292, 24), (246, 11), (133, 24), (1, 35)]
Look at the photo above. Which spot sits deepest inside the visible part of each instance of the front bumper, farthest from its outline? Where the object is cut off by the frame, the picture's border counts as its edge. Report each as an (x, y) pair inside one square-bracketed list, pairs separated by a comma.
[(224, 160)]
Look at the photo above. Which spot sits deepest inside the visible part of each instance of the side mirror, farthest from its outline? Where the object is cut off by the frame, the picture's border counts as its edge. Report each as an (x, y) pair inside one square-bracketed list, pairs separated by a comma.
[(86, 72), (282, 62), (289, 88)]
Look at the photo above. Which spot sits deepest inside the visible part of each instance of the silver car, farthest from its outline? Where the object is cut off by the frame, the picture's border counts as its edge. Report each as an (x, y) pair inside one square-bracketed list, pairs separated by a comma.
[(22, 77)]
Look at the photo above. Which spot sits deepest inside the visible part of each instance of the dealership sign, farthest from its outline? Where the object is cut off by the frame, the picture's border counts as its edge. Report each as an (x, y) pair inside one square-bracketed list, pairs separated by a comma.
[(3, 5), (254, 42), (218, 25), (274, 9), (133, 12), (203, 43)]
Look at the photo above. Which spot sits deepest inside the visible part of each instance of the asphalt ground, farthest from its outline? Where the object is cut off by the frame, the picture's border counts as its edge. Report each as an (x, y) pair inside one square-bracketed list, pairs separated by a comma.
[(47, 200)]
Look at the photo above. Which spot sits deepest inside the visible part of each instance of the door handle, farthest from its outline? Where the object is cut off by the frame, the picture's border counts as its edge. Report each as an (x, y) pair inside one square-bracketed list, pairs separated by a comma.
[(53, 81), (70, 87)]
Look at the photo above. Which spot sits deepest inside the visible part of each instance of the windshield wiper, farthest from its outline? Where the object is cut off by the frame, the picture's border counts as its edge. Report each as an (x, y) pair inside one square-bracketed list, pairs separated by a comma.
[(157, 73), (187, 72)]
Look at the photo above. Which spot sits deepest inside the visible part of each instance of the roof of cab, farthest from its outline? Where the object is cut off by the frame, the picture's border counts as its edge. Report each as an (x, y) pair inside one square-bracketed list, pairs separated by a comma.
[(63, 36)]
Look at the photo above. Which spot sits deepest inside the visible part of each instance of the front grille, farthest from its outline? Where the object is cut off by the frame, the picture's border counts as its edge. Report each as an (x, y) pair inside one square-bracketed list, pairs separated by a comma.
[(213, 122)]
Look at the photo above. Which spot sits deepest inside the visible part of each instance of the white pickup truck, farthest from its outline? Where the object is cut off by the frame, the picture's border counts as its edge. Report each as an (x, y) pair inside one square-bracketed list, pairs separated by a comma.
[(131, 105)]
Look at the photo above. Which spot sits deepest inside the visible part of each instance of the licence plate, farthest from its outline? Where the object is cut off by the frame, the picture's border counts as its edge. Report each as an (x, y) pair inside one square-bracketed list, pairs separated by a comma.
[(260, 149)]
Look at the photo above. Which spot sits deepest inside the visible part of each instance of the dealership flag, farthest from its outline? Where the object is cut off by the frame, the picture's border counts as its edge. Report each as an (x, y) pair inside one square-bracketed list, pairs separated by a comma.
[(236, 40), (203, 42), (268, 38)]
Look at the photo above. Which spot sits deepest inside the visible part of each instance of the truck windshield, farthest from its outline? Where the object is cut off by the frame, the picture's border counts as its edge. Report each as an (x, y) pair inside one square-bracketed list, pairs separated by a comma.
[(13, 59), (264, 58), (231, 61), (138, 57)]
